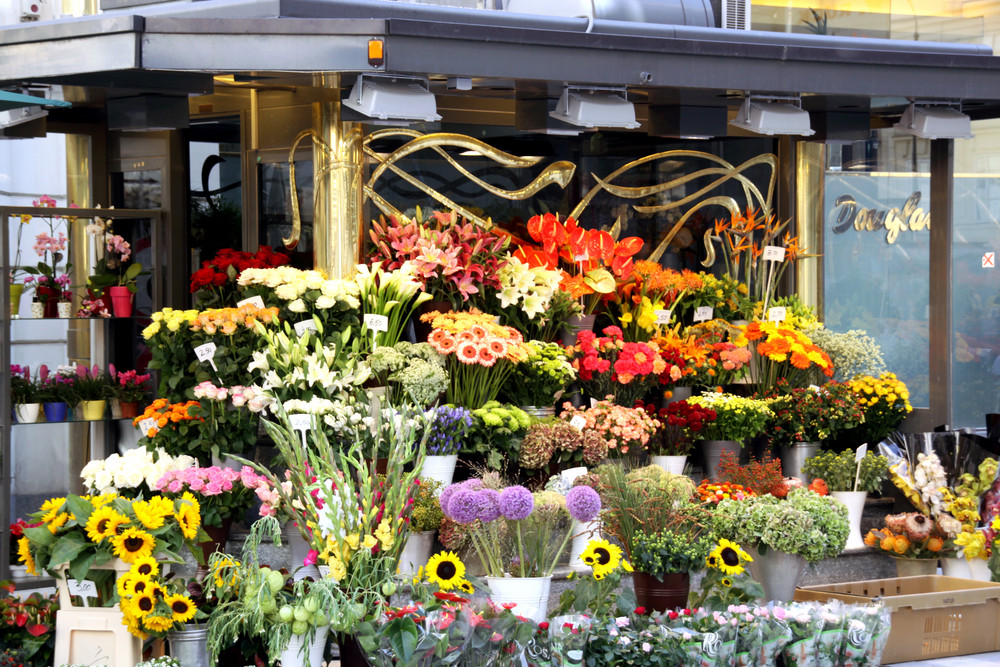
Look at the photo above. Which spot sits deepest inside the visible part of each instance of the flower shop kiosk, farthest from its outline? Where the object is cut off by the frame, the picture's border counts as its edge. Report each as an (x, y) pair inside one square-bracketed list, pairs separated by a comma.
[(482, 269)]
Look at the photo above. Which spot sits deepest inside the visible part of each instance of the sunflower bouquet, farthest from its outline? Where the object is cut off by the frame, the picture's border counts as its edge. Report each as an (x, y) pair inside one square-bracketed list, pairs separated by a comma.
[(597, 592), (727, 581), (479, 354), (78, 534)]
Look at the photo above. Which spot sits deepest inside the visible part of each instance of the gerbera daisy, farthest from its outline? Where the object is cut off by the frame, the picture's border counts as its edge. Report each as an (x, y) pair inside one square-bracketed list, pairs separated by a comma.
[(103, 523), (728, 557), (602, 556), (446, 570), (133, 544), (182, 607)]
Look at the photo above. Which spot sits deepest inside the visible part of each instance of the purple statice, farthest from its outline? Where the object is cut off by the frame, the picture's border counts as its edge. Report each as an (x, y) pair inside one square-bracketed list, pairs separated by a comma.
[(465, 506), (448, 431), (583, 503), (516, 503), (490, 500)]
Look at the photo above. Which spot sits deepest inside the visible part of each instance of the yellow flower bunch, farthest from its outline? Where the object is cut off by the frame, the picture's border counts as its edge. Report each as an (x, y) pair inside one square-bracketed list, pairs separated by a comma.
[(228, 320), (169, 319), (973, 544), (885, 390)]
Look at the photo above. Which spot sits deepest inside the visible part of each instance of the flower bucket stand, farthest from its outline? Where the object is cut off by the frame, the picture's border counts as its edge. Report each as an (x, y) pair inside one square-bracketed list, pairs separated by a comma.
[(93, 635)]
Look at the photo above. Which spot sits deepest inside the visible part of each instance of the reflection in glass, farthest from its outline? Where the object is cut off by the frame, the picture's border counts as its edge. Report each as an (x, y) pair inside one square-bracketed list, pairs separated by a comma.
[(275, 213)]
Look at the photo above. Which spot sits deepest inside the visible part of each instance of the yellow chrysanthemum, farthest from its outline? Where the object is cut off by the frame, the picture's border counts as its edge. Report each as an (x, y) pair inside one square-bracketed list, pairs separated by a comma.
[(103, 523), (446, 570), (182, 607), (602, 556), (24, 555), (728, 557), (133, 544)]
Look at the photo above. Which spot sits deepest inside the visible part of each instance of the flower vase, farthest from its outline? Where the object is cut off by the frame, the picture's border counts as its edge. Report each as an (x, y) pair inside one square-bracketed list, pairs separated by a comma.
[(416, 552), (979, 570), (583, 533), (915, 567), (713, 450), (65, 309), (794, 457), (93, 411), (530, 594), (778, 572), (662, 596), (49, 296), (855, 501), (575, 325), (677, 394), (37, 310), (300, 654), (55, 411), (218, 536), (440, 468), (956, 566), (121, 301), (16, 290), (189, 646), (672, 464), (128, 409), (299, 552), (539, 412), (27, 413)]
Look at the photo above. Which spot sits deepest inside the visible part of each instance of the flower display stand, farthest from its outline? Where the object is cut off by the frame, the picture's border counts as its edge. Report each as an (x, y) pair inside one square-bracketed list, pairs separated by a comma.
[(93, 635)]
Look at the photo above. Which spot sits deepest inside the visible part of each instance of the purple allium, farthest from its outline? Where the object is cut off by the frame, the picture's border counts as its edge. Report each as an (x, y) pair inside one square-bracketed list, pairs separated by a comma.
[(490, 500), (473, 484), (516, 503), (465, 506), (583, 503), (445, 498)]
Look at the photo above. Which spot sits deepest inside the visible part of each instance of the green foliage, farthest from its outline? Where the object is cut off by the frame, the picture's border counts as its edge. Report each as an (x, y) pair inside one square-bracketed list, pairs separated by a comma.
[(838, 470), (496, 432), (598, 598), (666, 552), (426, 513), (542, 377)]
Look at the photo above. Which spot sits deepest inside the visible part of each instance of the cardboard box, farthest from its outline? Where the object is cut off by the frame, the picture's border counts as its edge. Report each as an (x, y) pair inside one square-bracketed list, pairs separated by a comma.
[(932, 616)]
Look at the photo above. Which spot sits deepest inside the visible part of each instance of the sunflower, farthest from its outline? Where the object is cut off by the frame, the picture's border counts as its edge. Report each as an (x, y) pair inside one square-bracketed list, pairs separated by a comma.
[(152, 512), (602, 556), (181, 607), (189, 517), (58, 522), (446, 570), (142, 604), (133, 544), (466, 587), (145, 567), (158, 623), (727, 582), (728, 557), (51, 508), (24, 555), (104, 523)]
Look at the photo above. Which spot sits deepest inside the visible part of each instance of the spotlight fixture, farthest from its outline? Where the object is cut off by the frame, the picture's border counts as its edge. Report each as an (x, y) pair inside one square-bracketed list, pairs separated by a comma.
[(586, 106), (935, 120), (773, 115), (393, 98)]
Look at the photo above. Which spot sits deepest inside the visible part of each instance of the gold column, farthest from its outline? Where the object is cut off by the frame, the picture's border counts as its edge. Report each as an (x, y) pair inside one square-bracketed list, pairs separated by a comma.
[(809, 217), (337, 185)]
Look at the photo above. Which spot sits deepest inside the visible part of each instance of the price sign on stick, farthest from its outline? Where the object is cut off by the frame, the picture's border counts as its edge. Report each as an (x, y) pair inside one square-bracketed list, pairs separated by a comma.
[(662, 316), (774, 253), (578, 422), (374, 324), (703, 313), (304, 326), (776, 314), (84, 589), (252, 301), (301, 423), (858, 456), (206, 352)]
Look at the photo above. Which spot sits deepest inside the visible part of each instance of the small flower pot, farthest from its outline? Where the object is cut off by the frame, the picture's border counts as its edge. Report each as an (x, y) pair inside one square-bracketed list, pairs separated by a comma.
[(37, 310), (672, 464), (129, 409), (440, 468), (55, 411), (16, 290), (670, 593), (27, 413), (531, 594), (65, 309), (93, 411), (121, 301)]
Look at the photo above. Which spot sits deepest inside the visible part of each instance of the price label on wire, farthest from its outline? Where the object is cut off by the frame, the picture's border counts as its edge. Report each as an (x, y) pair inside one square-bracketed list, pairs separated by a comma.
[(147, 425), (376, 322), (774, 253), (83, 589), (662, 316), (300, 422), (304, 326), (205, 353), (252, 301), (776, 314), (703, 313), (578, 422)]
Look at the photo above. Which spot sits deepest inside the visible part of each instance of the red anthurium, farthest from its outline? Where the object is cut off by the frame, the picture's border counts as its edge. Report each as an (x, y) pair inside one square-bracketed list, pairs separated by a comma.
[(21, 619), (601, 244), (628, 246), (37, 630)]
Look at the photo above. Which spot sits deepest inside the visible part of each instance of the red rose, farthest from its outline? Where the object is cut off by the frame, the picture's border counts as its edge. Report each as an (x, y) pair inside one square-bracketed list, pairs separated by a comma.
[(639, 611)]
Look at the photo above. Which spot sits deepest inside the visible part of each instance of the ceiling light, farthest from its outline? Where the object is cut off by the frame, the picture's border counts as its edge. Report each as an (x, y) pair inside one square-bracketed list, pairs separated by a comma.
[(393, 98), (783, 115), (935, 120), (595, 107)]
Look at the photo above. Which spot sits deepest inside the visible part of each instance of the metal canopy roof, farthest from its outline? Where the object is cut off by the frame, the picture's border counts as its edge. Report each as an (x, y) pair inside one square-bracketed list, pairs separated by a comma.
[(179, 46)]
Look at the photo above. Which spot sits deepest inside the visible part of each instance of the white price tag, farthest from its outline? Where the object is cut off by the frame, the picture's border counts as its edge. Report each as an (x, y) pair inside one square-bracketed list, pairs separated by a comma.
[(774, 253), (301, 422), (593, 402), (304, 326), (580, 258), (376, 322), (662, 316), (252, 301), (146, 425), (703, 313), (860, 454), (578, 422), (205, 352), (776, 314), (83, 589)]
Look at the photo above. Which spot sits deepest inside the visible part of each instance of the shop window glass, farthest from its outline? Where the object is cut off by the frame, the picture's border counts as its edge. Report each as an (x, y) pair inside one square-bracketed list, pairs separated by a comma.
[(876, 250)]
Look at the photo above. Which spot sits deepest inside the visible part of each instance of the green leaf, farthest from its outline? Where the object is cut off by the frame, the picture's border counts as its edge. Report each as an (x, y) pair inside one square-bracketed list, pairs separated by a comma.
[(40, 535), (68, 547), (79, 568), (81, 508)]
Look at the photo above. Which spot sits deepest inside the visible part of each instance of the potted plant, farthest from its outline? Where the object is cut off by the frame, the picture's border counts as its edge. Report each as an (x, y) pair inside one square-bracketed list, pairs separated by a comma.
[(539, 380), (531, 301), (519, 570), (24, 394), (805, 418), (57, 391), (914, 540), (51, 248), (736, 419), (496, 433), (850, 480), (625, 430), (113, 273), (27, 628), (92, 389), (782, 535), (885, 401), (556, 444), (607, 366), (444, 440), (128, 388), (425, 519), (779, 350), (681, 424)]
